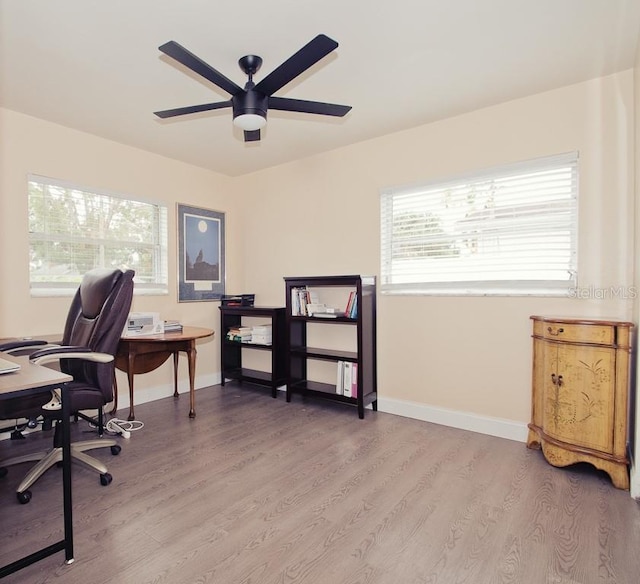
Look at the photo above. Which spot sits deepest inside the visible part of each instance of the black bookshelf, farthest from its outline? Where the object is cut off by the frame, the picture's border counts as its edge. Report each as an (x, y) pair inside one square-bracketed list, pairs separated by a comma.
[(298, 353), (231, 351)]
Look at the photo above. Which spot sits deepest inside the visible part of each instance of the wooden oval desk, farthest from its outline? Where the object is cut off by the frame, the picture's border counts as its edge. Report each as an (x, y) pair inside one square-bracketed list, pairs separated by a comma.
[(146, 353)]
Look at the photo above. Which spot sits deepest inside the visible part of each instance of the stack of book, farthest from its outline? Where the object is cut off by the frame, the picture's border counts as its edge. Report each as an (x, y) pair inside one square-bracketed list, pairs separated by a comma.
[(262, 334), (351, 311), (240, 334), (305, 302), (347, 379), (172, 326), (300, 298)]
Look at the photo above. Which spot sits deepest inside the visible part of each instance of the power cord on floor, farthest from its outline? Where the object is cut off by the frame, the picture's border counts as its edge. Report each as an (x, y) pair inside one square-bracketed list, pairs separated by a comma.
[(123, 427)]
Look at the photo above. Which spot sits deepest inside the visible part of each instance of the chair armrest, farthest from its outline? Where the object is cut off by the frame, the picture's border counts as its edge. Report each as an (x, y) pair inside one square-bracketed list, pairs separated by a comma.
[(21, 345), (66, 352)]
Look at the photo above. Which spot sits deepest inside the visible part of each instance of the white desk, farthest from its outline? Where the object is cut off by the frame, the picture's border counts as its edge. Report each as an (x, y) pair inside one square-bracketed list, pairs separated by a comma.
[(31, 379)]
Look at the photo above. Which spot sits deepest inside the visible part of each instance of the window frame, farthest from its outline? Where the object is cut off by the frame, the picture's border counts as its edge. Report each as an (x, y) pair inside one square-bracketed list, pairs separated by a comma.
[(158, 248), (479, 286)]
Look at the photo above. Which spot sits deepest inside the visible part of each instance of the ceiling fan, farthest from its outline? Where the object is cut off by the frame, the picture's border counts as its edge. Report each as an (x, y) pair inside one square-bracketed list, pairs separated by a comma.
[(250, 103)]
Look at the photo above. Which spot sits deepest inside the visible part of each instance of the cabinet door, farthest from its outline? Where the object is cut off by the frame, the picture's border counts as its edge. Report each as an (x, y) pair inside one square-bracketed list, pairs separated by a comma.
[(580, 395)]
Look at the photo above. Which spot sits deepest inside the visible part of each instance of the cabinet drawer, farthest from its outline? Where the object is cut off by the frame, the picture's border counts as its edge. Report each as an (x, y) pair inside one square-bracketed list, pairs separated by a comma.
[(600, 334)]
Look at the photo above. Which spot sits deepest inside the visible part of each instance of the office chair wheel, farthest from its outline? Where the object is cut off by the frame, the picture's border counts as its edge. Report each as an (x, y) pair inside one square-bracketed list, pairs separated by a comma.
[(3, 471), (24, 498), (115, 449), (105, 479)]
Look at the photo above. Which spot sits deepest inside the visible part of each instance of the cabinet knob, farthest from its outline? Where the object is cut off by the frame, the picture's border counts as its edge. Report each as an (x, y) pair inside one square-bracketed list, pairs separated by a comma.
[(555, 332), (556, 379)]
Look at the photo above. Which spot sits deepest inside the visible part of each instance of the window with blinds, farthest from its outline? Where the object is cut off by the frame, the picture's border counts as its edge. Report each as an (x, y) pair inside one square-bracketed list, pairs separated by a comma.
[(73, 230), (510, 230)]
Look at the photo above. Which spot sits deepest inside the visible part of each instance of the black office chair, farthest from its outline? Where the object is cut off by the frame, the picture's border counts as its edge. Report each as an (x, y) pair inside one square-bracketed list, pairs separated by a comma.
[(95, 322)]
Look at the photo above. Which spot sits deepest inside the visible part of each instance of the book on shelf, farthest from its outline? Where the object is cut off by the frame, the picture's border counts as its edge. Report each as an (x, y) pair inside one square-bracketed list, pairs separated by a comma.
[(354, 307), (351, 311), (354, 380), (346, 379), (240, 334), (262, 334), (313, 309), (301, 299), (296, 301), (339, 377), (262, 329)]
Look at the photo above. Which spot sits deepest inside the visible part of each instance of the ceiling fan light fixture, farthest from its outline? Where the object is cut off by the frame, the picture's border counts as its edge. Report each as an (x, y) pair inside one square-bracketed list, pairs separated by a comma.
[(250, 122)]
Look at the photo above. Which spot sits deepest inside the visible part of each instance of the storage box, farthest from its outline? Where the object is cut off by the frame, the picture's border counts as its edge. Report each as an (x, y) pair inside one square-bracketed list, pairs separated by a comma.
[(237, 299)]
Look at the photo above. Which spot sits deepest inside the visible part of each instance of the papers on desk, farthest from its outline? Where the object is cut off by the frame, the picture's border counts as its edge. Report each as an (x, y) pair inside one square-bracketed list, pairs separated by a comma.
[(149, 323), (143, 323)]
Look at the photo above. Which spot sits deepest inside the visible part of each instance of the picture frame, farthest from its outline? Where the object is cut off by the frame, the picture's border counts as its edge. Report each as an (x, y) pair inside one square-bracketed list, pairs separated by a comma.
[(201, 254)]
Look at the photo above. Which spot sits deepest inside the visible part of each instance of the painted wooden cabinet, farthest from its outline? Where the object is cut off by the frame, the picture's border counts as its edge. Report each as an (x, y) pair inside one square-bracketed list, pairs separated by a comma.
[(580, 393)]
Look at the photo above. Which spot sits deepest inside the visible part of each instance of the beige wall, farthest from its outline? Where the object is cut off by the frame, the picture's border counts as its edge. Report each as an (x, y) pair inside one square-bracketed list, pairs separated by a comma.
[(635, 436), (30, 145), (458, 360)]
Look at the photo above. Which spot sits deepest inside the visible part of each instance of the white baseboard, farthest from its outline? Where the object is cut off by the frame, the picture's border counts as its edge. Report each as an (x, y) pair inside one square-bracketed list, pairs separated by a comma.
[(463, 420)]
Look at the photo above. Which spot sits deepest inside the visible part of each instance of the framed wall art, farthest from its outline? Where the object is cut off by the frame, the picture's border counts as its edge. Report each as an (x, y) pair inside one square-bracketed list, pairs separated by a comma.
[(200, 254)]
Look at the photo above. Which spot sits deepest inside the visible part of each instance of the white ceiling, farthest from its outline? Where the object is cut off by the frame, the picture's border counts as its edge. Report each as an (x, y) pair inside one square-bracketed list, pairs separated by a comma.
[(94, 65)]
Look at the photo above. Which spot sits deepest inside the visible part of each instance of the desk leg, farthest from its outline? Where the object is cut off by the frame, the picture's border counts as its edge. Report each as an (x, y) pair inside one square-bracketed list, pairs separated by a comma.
[(192, 378), (175, 374), (66, 477), (130, 370)]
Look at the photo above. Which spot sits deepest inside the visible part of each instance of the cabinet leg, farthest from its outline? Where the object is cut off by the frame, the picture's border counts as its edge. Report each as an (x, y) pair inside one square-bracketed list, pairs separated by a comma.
[(533, 440), (619, 476)]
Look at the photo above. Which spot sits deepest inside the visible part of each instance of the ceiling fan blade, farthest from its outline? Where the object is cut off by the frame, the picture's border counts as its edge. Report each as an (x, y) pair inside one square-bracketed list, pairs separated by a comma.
[(298, 63), (192, 109), (251, 135), (197, 65), (308, 107)]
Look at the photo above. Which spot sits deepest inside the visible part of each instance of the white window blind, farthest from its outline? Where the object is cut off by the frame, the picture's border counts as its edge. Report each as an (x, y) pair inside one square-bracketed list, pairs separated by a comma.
[(73, 230), (506, 230)]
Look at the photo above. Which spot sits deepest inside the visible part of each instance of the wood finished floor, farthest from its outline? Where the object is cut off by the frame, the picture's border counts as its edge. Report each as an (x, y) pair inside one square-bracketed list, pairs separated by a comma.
[(258, 491)]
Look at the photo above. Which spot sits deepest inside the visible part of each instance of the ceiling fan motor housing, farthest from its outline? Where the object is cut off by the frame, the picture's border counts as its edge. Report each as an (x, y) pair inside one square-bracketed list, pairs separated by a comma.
[(250, 102)]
